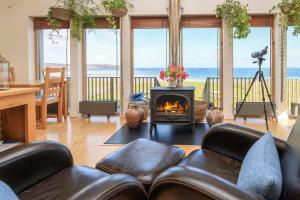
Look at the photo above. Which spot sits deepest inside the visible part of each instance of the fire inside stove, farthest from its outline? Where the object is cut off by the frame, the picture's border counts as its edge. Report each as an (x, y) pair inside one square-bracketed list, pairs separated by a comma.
[(173, 106)]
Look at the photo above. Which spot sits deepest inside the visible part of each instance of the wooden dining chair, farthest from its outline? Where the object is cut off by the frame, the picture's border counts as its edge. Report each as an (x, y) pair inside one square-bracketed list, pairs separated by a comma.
[(12, 74), (51, 93)]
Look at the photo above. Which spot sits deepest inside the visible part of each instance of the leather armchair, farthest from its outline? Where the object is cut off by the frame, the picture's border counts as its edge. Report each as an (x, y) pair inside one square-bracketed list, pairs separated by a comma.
[(45, 170), (212, 172)]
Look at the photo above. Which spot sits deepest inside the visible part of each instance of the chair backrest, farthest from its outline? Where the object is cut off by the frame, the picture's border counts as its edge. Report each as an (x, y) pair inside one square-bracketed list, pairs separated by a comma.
[(54, 82), (12, 74)]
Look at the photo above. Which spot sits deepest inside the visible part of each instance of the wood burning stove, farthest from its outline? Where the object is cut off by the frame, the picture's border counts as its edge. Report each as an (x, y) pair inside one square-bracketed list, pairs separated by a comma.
[(172, 106)]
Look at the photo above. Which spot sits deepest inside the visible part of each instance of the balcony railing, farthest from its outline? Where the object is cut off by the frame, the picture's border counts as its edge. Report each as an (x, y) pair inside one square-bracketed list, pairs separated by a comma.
[(241, 84), (108, 88), (293, 90), (211, 91)]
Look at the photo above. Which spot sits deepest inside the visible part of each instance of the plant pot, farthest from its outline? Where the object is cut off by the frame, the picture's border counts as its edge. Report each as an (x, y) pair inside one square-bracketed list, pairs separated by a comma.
[(62, 13), (144, 104), (214, 116), (119, 12), (134, 116)]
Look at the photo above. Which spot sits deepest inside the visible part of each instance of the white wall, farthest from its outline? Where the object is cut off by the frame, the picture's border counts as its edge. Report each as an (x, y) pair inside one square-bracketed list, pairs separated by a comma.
[(16, 32)]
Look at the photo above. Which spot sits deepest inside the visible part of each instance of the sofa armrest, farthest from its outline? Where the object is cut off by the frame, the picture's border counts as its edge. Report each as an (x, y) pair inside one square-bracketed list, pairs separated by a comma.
[(178, 182), (290, 167), (113, 187), (234, 141), (24, 166)]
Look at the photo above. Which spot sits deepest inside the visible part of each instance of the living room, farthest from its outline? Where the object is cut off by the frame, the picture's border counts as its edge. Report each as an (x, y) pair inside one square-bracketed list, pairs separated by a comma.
[(161, 99)]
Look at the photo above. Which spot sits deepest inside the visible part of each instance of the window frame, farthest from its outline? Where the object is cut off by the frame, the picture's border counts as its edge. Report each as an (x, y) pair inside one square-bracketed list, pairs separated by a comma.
[(40, 23), (205, 21), (266, 20), (101, 23), (143, 22)]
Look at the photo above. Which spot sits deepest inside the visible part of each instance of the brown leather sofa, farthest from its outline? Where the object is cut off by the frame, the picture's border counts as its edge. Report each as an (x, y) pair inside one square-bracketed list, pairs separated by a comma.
[(212, 172), (46, 171)]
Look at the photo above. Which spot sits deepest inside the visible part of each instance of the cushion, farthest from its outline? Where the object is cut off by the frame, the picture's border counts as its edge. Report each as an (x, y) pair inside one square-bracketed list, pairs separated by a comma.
[(137, 97), (143, 159), (6, 192), (261, 172)]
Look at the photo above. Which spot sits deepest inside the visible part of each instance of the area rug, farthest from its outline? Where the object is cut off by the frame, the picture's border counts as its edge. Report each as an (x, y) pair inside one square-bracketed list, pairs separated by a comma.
[(168, 134)]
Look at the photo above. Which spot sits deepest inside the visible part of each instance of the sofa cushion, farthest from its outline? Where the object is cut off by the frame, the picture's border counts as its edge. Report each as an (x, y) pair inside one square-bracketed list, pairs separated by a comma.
[(6, 192), (213, 163), (143, 159), (261, 172), (64, 184)]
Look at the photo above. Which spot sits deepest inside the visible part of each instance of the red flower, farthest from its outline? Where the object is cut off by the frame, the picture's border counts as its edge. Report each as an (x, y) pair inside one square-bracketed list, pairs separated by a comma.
[(184, 75), (180, 68), (172, 69), (178, 75), (162, 75), (172, 79)]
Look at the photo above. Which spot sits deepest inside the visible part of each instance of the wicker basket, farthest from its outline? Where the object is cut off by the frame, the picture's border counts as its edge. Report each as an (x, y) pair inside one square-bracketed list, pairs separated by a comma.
[(200, 110), (142, 104), (61, 13), (119, 12)]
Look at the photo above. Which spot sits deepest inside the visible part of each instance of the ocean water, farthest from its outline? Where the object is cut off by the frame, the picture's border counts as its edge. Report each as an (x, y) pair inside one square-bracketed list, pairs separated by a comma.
[(194, 73)]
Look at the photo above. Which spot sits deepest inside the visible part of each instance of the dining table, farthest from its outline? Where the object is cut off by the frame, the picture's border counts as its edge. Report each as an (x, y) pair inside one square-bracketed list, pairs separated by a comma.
[(41, 84)]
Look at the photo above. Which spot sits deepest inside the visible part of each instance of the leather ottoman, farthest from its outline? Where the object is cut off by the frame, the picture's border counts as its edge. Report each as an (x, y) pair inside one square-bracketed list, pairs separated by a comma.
[(142, 159)]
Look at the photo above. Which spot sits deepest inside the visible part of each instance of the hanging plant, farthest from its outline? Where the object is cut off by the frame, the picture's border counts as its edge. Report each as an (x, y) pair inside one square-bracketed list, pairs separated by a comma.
[(115, 9), (235, 16), (289, 14), (80, 12)]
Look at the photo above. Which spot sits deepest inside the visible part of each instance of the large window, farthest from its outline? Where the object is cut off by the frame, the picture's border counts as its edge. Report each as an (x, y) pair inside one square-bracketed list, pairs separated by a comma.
[(53, 47), (243, 67), (293, 69), (201, 56), (150, 52), (102, 58)]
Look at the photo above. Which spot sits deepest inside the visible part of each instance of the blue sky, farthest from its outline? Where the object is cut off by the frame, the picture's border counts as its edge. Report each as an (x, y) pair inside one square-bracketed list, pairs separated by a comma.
[(200, 47)]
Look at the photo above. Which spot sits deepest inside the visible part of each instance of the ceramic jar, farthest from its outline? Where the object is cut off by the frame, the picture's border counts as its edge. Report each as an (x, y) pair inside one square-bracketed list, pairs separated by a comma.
[(214, 116), (134, 116)]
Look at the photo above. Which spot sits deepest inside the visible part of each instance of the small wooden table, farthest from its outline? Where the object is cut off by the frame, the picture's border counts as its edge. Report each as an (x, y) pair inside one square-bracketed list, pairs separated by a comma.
[(40, 85), (17, 106)]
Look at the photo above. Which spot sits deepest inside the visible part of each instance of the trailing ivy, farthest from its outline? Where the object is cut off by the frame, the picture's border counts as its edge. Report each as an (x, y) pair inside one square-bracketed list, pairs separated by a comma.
[(111, 5), (83, 15), (235, 16), (289, 14)]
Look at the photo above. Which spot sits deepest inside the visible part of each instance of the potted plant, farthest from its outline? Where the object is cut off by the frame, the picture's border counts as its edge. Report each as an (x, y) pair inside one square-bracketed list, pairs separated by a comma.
[(80, 12), (289, 14), (114, 9), (235, 16), (61, 13), (173, 75)]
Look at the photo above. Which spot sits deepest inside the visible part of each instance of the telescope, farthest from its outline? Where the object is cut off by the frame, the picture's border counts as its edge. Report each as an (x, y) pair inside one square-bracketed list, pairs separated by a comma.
[(260, 54)]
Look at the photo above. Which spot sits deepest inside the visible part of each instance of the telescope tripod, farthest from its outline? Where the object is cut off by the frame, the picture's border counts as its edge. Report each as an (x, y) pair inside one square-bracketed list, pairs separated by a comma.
[(264, 88)]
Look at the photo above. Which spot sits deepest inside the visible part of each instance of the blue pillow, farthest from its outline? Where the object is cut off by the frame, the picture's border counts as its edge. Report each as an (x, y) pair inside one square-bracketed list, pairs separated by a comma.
[(6, 192), (137, 97), (260, 173)]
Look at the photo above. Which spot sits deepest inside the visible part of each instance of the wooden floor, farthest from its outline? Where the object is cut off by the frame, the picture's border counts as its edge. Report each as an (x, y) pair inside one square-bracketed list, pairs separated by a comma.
[(85, 137)]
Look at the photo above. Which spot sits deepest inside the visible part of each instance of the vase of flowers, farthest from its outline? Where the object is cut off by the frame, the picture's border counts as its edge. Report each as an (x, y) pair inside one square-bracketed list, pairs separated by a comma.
[(174, 75)]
